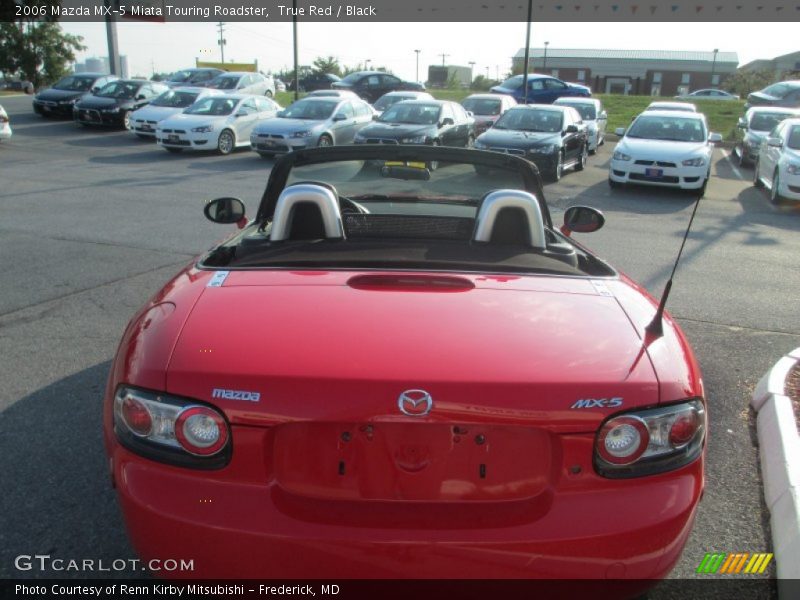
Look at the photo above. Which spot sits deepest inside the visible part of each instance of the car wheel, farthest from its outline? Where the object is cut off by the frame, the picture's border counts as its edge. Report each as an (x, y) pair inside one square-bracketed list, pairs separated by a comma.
[(583, 158), (268, 94), (226, 142), (174, 150), (756, 179), (742, 159), (558, 169), (602, 141), (614, 185), (470, 142), (126, 119), (433, 164), (324, 141), (774, 195), (701, 191)]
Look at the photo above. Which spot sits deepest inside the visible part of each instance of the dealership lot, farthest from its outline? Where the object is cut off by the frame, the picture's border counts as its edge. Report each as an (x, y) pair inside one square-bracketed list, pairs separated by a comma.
[(92, 222)]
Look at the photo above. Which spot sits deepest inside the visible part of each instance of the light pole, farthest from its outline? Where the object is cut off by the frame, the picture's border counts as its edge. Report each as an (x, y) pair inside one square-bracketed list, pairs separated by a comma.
[(471, 67), (714, 66), (527, 53), (544, 63), (222, 41), (417, 51)]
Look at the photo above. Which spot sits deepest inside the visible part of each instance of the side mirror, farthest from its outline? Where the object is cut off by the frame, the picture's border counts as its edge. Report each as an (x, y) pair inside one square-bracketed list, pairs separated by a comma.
[(742, 124), (140, 97), (225, 211), (95, 89), (339, 117), (241, 113), (571, 129), (375, 117), (620, 131), (447, 121), (775, 142), (603, 116), (280, 113), (470, 113), (715, 138), (582, 219)]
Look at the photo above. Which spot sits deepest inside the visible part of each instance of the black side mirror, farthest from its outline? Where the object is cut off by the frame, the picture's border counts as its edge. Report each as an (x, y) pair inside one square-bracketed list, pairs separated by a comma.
[(95, 89), (572, 129), (140, 97), (447, 121), (224, 210), (583, 219)]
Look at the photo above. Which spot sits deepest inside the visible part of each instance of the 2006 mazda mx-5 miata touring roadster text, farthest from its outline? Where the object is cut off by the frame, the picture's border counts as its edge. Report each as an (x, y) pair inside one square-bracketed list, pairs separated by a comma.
[(392, 371)]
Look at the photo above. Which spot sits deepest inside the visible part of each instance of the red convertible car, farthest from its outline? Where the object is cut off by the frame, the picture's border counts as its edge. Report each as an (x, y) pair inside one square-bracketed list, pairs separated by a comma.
[(393, 371)]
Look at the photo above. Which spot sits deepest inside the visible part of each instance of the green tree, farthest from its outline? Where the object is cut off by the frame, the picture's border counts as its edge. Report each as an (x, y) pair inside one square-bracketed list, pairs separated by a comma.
[(743, 82), (481, 83), (38, 51), (327, 64)]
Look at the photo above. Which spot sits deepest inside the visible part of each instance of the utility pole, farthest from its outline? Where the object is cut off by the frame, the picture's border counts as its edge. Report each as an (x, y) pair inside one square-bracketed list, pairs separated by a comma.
[(471, 67), (443, 57), (113, 46), (544, 64), (222, 41), (714, 66), (417, 51), (294, 43), (527, 52)]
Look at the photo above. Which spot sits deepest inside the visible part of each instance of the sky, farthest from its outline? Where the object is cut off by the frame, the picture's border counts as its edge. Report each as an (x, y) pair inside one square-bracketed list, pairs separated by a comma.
[(167, 47)]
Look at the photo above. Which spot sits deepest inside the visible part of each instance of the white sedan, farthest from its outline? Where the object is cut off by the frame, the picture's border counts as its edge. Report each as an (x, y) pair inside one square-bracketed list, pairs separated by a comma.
[(5, 125), (664, 148), (778, 163), (219, 123), (172, 102)]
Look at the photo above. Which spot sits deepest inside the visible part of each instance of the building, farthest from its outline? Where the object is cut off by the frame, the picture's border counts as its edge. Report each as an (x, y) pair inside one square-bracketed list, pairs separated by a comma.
[(441, 76), (640, 72), (779, 65), (100, 65)]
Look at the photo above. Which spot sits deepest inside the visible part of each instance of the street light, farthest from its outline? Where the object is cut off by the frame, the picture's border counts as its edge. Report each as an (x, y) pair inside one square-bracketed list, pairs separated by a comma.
[(417, 51), (471, 67), (544, 63), (714, 66)]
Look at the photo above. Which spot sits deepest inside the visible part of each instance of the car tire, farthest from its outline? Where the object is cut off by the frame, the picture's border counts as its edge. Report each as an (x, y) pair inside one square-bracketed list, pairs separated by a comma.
[(226, 142), (126, 119), (701, 191), (756, 179), (325, 141), (557, 169), (269, 94), (174, 150), (614, 185), (583, 158), (743, 162), (774, 195)]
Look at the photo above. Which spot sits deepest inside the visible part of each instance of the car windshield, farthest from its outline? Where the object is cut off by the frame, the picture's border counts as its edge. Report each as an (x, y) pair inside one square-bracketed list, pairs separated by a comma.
[(119, 89), (388, 100), (793, 141), (400, 211), (352, 78), (412, 113), (310, 109), (181, 76), (224, 83), (74, 84), (214, 107), (530, 119), (513, 83), (674, 129), (483, 106), (175, 99), (766, 121), (588, 112), (670, 106), (778, 90)]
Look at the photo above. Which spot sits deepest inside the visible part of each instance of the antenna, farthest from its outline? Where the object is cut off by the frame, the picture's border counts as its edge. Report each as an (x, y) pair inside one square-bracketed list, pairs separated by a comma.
[(656, 326)]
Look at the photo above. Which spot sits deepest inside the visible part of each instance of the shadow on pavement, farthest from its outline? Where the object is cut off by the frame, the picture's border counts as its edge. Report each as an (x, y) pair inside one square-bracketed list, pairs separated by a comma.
[(57, 499)]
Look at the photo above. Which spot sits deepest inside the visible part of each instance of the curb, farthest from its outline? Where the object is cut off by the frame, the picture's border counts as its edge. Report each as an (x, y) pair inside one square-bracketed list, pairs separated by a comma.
[(779, 447)]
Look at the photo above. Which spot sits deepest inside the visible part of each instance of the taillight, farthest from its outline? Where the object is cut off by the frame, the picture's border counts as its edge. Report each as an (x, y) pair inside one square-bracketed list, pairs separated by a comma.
[(171, 429), (646, 442)]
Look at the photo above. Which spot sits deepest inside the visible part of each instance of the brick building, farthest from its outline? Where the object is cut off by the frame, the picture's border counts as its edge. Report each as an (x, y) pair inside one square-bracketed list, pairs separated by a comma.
[(639, 72)]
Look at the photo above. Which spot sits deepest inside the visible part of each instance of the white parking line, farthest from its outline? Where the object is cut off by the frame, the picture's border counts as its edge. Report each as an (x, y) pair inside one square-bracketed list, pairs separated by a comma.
[(734, 167)]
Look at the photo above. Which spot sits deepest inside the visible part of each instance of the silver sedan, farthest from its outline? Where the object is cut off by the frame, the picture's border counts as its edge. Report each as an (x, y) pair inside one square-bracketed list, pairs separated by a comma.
[(311, 122)]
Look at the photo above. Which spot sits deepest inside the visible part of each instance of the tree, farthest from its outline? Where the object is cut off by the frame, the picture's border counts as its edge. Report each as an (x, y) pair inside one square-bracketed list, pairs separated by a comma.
[(482, 84), (743, 82), (38, 51), (329, 64)]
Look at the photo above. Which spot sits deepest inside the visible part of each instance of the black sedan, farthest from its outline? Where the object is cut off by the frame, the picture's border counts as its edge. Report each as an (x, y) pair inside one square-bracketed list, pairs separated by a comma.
[(371, 85), (552, 137), (59, 99), (314, 82), (113, 103)]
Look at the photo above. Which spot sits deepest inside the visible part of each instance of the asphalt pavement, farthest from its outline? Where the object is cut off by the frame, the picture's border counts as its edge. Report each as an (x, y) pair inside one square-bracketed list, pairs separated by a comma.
[(93, 222)]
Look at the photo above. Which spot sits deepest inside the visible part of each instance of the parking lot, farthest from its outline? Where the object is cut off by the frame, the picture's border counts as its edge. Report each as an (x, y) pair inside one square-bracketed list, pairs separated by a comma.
[(92, 222)]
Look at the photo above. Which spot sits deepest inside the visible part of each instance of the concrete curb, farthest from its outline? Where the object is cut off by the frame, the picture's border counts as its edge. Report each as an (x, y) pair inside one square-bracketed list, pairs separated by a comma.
[(780, 465)]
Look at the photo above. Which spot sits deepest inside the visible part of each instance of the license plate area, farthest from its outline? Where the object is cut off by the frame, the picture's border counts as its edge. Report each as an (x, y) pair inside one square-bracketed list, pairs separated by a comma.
[(654, 173), (426, 462), (172, 137)]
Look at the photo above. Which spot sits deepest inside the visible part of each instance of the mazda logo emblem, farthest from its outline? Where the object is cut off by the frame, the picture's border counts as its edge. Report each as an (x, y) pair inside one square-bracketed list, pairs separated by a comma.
[(415, 403)]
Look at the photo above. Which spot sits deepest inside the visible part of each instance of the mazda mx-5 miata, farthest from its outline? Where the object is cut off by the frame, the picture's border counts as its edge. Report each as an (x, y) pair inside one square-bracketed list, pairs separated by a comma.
[(393, 372)]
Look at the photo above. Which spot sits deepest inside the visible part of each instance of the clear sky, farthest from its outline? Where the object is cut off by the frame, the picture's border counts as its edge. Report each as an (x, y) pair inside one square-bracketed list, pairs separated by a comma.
[(167, 47)]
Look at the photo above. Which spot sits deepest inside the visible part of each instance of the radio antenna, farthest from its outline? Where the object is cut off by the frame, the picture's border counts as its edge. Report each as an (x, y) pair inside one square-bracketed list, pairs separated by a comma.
[(656, 326)]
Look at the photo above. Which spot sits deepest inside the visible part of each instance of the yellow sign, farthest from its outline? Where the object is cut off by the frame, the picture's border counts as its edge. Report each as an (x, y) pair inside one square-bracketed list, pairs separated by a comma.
[(228, 66)]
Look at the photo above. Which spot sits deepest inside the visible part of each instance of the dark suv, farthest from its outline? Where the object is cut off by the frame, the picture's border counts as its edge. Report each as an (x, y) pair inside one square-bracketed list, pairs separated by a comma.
[(314, 81), (371, 85)]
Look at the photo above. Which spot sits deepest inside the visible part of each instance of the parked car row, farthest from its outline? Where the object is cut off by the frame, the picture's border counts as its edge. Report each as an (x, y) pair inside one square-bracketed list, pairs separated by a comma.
[(5, 125), (777, 165)]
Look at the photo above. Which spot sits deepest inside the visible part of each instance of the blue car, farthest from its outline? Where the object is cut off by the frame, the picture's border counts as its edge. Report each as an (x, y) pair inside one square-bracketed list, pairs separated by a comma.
[(542, 89)]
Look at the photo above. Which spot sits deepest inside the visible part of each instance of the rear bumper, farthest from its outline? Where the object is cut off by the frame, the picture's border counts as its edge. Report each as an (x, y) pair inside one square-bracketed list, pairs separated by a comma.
[(246, 526)]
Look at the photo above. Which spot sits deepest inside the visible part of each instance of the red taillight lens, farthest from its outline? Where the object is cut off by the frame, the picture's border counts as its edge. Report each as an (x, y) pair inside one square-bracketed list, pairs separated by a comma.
[(623, 440), (136, 416), (683, 429), (201, 430)]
